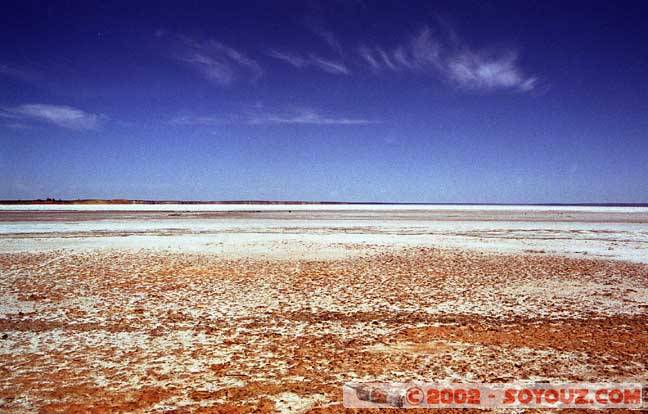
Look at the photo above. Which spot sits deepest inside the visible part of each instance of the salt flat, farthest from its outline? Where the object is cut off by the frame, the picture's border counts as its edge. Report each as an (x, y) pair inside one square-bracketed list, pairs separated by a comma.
[(300, 231), (133, 311)]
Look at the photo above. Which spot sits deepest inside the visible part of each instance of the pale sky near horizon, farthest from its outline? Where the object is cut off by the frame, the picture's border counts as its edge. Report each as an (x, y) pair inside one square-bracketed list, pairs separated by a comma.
[(457, 101)]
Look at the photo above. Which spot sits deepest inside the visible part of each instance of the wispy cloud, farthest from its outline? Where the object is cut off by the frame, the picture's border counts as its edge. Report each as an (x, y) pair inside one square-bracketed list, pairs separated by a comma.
[(480, 71), (329, 38), (16, 126), (307, 116), (332, 67), (329, 66), (60, 115), (445, 56), (437, 52), (260, 117), (215, 61), (198, 120), (16, 72), (326, 35), (368, 56), (291, 59)]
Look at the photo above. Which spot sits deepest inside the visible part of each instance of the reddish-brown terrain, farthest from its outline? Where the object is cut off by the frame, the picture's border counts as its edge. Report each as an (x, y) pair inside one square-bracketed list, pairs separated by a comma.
[(116, 331)]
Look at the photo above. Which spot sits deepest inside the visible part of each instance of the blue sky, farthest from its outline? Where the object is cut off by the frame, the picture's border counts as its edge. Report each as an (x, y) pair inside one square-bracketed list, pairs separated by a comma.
[(508, 102)]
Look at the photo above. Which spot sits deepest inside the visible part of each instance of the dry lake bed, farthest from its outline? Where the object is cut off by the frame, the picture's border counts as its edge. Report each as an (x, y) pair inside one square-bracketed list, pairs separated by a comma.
[(271, 308)]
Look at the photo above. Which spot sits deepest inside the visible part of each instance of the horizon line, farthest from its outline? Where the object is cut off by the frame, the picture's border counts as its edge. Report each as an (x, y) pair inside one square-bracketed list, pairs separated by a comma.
[(125, 201)]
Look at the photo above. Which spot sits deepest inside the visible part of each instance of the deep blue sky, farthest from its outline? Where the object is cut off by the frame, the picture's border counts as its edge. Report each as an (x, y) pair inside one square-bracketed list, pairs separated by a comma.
[(510, 102)]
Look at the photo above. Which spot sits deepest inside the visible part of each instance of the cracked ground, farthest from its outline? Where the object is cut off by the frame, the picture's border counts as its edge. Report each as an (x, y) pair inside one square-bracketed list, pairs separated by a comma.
[(115, 331)]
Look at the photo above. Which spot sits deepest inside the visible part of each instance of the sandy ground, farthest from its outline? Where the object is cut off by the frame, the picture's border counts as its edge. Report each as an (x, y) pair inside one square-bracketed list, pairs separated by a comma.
[(273, 312)]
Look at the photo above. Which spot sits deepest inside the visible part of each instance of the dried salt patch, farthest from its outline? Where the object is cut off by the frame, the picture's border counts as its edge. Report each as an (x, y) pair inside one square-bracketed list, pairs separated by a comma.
[(291, 403), (24, 404), (11, 304), (411, 348), (590, 297), (553, 298), (43, 342), (105, 364), (100, 380), (454, 376), (323, 328), (562, 364)]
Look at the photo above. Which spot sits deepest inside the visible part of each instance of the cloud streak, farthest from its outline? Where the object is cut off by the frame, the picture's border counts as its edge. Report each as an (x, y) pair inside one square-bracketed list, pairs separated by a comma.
[(291, 59), (59, 115), (300, 117), (312, 60), (17, 72), (307, 117), (446, 57), (326, 35), (215, 61), (329, 66), (190, 120), (438, 53)]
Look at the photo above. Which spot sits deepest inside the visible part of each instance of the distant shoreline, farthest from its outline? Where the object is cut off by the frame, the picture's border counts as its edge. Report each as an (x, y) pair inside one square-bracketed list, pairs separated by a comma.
[(274, 202)]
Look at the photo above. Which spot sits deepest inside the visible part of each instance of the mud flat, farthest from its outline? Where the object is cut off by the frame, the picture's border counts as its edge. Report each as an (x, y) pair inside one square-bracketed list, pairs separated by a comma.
[(273, 311)]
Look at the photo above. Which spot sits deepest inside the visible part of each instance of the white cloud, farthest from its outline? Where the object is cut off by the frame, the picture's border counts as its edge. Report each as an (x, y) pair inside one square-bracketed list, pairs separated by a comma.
[(367, 55), (306, 116), (5, 113), (474, 71), (17, 125), (335, 68), (216, 61), (291, 59), (313, 60), (446, 57), (424, 51), (330, 39), (11, 71), (385, 58), (439, 53), (60, 115), (324, 34), (258, 117), (198, 120)]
